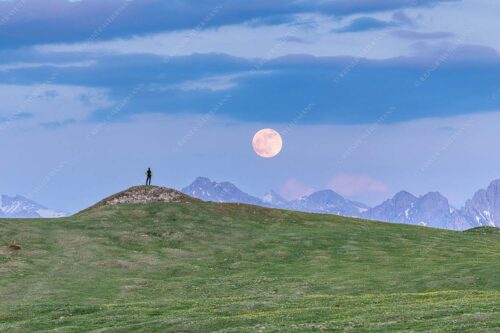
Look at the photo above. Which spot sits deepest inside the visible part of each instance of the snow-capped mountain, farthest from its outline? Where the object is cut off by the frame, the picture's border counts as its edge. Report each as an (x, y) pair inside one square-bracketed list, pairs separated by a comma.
[(396, 209), (484, 207), (325, 202), (328, 202), (207, 190), (21, 207), (431, 209), (273, 199)]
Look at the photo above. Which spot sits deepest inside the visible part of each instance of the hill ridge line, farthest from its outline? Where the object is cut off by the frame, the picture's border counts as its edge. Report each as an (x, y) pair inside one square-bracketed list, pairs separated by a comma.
[(142, 195)]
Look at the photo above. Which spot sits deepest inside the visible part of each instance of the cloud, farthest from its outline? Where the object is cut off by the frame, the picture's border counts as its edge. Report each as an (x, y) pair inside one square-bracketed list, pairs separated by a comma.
[(408, 34), (350, 185), (402, 18), (362, 24), (49, 103), (293, 189), (366, 24), (104, 20), (239, 39), (277, 92), (28, 65), (293, 39), (456, 51), (217, 82)]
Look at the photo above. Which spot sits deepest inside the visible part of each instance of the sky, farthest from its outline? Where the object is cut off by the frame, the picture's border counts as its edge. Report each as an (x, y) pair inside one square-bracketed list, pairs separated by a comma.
[(371, 96)]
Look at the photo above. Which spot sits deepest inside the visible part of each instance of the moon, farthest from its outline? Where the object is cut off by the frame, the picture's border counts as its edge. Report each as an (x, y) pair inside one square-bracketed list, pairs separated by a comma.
[(267, 143)]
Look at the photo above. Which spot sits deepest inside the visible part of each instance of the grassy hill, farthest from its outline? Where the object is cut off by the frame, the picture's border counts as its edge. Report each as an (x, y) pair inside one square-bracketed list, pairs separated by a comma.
[(197, 267)]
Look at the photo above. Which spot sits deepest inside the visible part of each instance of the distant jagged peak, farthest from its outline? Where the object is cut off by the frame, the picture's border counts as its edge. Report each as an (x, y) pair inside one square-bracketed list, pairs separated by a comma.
[(404, 195), (21, 207), (327, 195), (273, 198), (484, 207), (495, 184), (203, 181), (207, 190), (433, 196)]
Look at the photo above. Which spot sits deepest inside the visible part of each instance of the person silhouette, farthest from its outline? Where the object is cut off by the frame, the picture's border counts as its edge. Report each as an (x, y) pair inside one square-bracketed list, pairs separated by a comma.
[(149, 175)]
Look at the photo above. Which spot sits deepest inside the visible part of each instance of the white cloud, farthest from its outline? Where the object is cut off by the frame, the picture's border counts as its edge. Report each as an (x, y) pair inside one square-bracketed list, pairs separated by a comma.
[(29, 65), (253, 42), (260, 41), (216, 83), (47, 103)]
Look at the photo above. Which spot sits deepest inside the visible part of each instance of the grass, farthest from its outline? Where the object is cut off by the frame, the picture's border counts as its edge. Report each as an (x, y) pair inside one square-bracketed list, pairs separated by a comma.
[(202, 267), (485, 230)]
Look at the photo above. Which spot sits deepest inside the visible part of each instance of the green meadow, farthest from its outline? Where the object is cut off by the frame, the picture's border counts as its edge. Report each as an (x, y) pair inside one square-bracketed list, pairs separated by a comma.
[(203, 267)]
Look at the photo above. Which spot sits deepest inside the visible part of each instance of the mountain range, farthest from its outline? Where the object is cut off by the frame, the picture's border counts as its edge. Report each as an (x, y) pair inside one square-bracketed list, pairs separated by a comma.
[(326, 202), (431, 209), (21, 207)]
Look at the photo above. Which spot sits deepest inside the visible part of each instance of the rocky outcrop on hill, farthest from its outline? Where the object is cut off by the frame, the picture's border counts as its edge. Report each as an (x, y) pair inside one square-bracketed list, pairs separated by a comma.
[(145, 194)]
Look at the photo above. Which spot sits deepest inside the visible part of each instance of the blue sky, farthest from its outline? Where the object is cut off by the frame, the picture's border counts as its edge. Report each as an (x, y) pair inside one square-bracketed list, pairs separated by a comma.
[(372, 96)]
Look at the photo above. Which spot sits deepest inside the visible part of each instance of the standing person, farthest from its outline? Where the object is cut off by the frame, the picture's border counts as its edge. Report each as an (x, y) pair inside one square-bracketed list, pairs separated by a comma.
[(149, 175)]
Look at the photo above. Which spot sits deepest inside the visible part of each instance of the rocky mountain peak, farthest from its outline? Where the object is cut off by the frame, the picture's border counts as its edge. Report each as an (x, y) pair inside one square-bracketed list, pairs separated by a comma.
[(202, 181), (273, 199), (327, 196), (434, 200), (404, 196), (207, 190), (484, 207), (20, 207), (327, 202)]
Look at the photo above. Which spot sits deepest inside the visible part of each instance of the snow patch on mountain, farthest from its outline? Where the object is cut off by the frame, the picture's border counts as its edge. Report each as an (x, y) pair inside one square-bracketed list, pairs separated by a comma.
[(431, 209), (21, 207), (483, 209), (273, 199)]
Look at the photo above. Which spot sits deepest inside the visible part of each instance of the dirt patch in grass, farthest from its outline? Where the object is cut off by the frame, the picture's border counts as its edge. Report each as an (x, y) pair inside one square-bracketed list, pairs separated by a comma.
[(10, 249), (120, 264), (4, 251), (172, 252), (137, 285)]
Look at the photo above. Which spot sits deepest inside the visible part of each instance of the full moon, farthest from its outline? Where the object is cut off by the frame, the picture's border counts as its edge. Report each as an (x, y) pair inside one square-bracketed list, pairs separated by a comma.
[(267, 143)]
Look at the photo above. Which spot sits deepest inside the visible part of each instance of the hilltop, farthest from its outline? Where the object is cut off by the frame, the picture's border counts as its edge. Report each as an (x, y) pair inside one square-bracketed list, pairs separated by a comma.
[(144, 195), (191, 266)]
